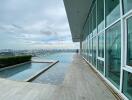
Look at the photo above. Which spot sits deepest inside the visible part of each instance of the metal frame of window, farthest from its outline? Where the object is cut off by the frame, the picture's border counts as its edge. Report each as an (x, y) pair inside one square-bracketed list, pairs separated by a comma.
[(125, 67)]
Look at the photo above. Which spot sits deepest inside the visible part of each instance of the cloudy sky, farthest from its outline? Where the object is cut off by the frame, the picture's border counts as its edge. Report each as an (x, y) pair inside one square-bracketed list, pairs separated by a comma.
[(34, 24)]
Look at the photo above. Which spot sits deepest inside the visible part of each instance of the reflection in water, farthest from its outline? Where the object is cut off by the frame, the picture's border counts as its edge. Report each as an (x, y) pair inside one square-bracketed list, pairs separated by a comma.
[(56, 74), (23, 72), (10, 72)]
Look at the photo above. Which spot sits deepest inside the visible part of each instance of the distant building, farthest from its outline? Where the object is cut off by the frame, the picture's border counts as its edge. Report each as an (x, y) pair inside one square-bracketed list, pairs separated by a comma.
[(6, 53)]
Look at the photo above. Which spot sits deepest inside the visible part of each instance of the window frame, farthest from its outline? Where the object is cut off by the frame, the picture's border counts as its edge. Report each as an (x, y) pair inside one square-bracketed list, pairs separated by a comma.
[(126, 44)]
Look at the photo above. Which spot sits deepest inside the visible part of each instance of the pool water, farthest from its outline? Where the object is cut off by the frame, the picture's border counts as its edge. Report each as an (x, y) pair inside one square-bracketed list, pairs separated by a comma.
[(56, 74), (22, 72), (62, 57)]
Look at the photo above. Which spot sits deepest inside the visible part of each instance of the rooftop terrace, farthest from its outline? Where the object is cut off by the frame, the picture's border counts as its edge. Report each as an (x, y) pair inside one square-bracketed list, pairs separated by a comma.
[(80, 83)]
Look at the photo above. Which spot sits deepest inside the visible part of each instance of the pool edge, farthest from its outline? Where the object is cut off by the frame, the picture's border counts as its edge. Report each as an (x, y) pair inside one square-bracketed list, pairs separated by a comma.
[(40, 72)]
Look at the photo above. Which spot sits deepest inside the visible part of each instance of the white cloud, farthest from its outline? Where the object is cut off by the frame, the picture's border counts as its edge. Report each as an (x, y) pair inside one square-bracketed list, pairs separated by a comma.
[(34, 24)]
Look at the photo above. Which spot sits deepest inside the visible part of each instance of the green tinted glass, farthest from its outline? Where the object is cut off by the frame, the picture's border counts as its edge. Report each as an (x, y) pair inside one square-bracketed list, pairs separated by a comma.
[(112, 11), (129, 41), (101, 45), (100, 14), (94, 51), (113, 53), (100, 66), (94, 20), (127, 5), (127, 84)]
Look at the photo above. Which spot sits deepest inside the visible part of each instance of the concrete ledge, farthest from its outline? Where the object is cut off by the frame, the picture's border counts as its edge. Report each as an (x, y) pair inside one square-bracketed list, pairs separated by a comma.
[(40, 72), (43, 60)]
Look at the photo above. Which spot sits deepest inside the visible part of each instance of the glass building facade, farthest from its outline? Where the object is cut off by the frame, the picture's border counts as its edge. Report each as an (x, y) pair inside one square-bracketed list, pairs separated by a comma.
[(107, 42)]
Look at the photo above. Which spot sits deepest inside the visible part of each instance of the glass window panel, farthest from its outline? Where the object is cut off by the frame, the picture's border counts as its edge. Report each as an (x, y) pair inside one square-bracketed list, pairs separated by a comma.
[(127, 5), (88, 26), (90, 23), (87, 49), (100, 66), (84, 44), (91, 50), (129, 41), (88, 46), (94, 20), (86, 32), (83, 48), (113, 53), (100, 14), (94, 51), (127, 84), (112, 11), (101, 45)]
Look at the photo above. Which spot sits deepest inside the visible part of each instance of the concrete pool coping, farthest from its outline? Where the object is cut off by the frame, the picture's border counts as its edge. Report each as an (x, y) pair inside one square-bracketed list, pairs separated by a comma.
[(43, 60), (41, 71)]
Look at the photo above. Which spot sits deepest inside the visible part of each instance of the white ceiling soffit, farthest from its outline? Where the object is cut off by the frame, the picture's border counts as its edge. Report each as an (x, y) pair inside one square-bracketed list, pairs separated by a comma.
[(77, 11)]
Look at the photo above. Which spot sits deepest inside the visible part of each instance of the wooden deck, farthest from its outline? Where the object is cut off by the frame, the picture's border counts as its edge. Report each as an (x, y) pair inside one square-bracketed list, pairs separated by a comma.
[(80, 83)]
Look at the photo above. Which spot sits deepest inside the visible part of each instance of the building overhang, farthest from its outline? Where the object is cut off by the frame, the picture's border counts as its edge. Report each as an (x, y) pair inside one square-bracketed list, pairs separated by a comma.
[(77, 11)]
